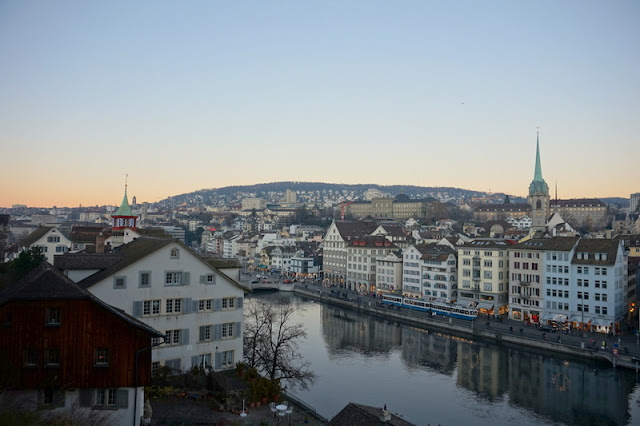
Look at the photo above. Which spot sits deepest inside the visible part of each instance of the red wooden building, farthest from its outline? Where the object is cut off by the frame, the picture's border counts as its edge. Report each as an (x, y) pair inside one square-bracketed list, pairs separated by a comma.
[(69, 348)]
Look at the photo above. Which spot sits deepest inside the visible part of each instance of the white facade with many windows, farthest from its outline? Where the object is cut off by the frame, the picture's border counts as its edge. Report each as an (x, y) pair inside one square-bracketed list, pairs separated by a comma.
[(176, 292)]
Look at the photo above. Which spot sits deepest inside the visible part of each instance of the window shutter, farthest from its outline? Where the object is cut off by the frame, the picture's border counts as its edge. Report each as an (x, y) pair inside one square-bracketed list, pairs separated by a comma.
[(238, 329), (217, 332), (86, 397), (185, 278), (217, 304), (122, 398), (186, 305), (239, 302), (137, 309), (184, 336), (58, 398), (218, 361), (194, 306), (195, 361), (203, 279)]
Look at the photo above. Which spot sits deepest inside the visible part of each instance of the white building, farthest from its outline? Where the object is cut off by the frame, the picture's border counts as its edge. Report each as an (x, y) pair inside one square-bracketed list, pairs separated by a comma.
[(49, 239), (172, 289), (429, 271), (389, 272), (362, 254)]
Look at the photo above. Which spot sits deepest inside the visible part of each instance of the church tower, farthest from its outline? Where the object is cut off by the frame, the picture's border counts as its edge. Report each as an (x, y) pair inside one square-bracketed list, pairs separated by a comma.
[(124, 217), (539, 195)]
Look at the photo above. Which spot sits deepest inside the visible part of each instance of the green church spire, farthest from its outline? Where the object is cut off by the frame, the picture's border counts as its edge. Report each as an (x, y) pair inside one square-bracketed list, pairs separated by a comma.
[(125, 209), (538, 185)]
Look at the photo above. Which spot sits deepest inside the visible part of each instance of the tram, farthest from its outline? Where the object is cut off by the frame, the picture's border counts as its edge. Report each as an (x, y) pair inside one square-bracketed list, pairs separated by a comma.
[(441, 308)]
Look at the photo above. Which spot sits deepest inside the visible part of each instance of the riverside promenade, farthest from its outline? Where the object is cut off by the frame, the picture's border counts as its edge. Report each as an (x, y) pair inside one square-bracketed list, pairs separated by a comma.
[(502, 331)]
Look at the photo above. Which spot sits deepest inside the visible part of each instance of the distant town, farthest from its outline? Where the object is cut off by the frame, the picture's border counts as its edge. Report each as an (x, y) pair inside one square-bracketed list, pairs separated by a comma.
[(170, 277)]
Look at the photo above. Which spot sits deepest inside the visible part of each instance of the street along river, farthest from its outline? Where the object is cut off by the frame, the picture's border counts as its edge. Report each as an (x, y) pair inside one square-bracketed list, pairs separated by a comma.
[(430, 377)]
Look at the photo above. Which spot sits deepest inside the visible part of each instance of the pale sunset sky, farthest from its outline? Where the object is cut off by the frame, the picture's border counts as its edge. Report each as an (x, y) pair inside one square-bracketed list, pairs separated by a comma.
[(203, 94)]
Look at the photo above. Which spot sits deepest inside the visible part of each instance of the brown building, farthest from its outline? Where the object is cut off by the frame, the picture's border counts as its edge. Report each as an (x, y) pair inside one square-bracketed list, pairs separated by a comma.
[(61, 347)]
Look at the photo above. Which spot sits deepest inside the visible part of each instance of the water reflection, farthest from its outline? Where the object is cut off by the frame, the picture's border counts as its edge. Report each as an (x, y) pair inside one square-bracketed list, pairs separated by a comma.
[(509, 382)]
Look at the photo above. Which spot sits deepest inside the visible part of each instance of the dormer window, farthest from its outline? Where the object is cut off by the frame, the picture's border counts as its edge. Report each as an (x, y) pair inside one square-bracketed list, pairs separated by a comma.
[(175, 254)]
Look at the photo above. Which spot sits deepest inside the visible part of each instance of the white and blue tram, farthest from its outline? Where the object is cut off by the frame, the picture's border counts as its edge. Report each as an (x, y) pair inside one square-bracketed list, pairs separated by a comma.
[(450, 310)]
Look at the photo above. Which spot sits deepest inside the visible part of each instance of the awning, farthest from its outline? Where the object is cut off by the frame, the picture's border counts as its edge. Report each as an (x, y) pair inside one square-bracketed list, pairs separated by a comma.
[(485, 305), (546, 316), (600, 321), (559, 317), (576, 318)]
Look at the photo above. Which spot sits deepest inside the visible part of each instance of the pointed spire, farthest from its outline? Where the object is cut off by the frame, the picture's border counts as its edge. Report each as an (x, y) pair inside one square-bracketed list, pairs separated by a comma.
[(538, 185), (124, 209)]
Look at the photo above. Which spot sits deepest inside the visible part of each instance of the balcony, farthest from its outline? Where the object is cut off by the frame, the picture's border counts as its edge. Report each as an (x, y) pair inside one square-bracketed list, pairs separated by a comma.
[(525, 296), (525, 283)]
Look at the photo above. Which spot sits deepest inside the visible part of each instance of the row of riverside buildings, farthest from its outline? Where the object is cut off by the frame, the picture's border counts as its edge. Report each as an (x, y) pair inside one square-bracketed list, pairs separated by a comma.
[(566, 281), (88, 332)]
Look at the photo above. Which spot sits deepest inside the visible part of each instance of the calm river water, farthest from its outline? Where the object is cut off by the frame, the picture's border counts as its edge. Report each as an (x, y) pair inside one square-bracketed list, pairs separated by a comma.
[(433, 378)]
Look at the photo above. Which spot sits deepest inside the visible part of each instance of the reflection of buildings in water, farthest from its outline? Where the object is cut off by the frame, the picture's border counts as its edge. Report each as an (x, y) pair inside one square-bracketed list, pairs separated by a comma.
[(422, 348), (525, 379), (482, 369), (578, 395), (344, 329)]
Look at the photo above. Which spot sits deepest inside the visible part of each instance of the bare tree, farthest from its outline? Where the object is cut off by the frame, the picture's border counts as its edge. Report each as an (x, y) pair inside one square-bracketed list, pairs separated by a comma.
[(271, 343)]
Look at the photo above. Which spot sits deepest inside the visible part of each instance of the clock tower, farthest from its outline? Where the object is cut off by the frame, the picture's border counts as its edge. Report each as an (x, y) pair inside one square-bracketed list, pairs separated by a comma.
[(539, 195)]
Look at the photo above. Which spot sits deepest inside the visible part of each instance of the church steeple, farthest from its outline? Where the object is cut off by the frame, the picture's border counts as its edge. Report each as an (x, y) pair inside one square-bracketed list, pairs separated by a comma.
[(538, 185), (539, 194), (124, 217)]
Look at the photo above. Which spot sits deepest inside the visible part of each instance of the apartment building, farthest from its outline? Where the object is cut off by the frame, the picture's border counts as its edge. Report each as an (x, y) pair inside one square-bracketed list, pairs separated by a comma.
[(483, 269), (362, 253)]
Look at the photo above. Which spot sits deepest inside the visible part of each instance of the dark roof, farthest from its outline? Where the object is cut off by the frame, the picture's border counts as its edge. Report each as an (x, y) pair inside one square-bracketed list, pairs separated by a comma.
[(46, 283), (591, 246), (84, 261), (511, 207), (220, 263), (578, 202), (128, 254), (555, 244), (394, 230), (478, 244), (35, 236), (355, 228), (371, 241), (435, 251), (364, 415), (85, 234)]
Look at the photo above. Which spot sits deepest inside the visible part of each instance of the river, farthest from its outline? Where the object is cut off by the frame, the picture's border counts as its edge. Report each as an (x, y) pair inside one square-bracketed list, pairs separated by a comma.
[(429, 377)]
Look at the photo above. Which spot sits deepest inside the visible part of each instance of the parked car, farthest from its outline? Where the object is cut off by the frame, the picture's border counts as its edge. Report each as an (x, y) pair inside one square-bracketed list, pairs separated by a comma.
[(255, 281), (547, 328), (287, 281)]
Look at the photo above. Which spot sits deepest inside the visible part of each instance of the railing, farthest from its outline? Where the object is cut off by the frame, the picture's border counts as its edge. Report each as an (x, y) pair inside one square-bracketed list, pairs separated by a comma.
[(306, 408)]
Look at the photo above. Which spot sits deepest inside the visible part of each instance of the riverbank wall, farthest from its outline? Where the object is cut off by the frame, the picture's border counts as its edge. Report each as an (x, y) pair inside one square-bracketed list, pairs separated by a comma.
[(516, 338)]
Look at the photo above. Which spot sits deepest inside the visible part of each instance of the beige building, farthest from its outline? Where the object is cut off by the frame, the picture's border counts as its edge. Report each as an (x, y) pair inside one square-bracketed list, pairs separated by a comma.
[(254, 203), (483, 269), (389, 272), (400, 207)]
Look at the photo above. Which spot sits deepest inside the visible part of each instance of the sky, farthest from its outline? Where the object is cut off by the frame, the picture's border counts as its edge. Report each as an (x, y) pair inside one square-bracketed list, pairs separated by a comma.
[(183, 96)]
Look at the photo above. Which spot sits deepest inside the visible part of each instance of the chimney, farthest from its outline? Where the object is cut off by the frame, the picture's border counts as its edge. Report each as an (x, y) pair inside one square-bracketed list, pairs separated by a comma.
[(386, 415)]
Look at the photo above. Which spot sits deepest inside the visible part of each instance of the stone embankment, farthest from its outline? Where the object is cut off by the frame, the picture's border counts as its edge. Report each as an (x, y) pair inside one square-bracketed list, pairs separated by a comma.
[(509, 333)]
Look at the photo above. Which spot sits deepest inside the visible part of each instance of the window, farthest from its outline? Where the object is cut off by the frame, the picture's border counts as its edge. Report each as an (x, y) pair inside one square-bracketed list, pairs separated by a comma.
[(30, 357), (106, 397), (205, 333), (145, 279), (604, 297), (205, 305), (61, 249), (487, 287), (579, 295), (102, 356), (151, 307), (227, 330), (211, 279), (173, 306), (227, 359), (175, 253), (604, 310), (52, 357), (120, 282), (173, 278), (172, 337), (154, 368), (53, 316), (204, 360), (52, 239), (228, 302)]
